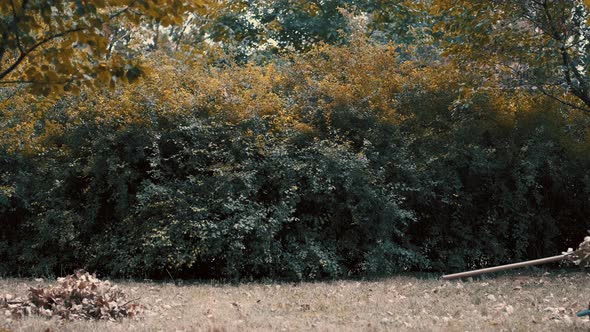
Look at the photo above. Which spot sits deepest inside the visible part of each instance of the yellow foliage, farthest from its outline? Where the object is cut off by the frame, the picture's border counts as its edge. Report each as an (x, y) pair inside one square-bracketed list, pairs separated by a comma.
[(363, 76), (62, 45)]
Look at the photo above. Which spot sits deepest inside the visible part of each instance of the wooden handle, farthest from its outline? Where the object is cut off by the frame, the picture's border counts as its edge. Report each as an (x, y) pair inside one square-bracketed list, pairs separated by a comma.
[(505, 267)]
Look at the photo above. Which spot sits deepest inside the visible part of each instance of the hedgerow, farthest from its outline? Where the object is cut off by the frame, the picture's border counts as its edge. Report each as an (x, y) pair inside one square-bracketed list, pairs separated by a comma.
[(344, 161)]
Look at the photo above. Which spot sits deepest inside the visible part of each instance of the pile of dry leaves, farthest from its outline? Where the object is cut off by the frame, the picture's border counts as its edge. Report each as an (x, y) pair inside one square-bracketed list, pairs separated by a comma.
[(78, 296)]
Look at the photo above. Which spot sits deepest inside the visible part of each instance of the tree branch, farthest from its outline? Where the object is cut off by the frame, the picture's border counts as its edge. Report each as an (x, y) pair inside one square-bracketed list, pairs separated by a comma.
[(38, 82), (114, 40), (3, 41), (15, 20), (122, 11), (565, 102), (184, 26), (582, 88), (31, 49)]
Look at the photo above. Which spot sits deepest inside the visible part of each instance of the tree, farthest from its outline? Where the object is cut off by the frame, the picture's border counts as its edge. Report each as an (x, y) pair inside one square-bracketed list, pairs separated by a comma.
[(56, 45), (541, 45), (249, 27)]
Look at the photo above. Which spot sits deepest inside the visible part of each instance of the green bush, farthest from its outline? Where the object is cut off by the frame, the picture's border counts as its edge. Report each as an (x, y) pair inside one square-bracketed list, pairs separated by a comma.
[(491, 193), (345, 162), (222, 203)]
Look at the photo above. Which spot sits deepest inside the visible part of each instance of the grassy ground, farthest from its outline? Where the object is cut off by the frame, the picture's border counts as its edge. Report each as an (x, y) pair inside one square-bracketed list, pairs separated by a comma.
[(514, 303)]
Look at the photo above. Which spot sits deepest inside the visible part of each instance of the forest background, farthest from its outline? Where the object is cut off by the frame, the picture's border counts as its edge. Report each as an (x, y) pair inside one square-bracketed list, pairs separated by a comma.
[(291, 139)]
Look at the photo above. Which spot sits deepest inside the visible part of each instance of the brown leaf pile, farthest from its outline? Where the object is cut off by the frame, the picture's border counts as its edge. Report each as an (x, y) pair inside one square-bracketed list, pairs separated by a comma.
[(75, 297)]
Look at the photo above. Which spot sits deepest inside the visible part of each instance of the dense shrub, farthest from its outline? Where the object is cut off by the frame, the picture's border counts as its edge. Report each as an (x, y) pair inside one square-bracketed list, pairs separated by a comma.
[(343, 162), (495, 190)]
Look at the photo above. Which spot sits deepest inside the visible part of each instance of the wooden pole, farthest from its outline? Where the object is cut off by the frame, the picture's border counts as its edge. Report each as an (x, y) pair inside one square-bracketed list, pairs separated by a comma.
[(505, 267)]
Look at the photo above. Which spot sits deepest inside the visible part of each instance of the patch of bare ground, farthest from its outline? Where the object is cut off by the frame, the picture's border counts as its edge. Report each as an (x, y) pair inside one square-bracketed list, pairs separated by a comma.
[(510, 303)]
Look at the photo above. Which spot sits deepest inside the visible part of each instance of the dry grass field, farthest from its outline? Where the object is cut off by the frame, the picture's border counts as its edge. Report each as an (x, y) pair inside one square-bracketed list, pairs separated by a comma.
[(509, 303)]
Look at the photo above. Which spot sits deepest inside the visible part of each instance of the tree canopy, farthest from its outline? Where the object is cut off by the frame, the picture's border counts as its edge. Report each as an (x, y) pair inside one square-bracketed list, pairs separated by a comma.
[(58, 45), (291, 139), (531, 44)]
